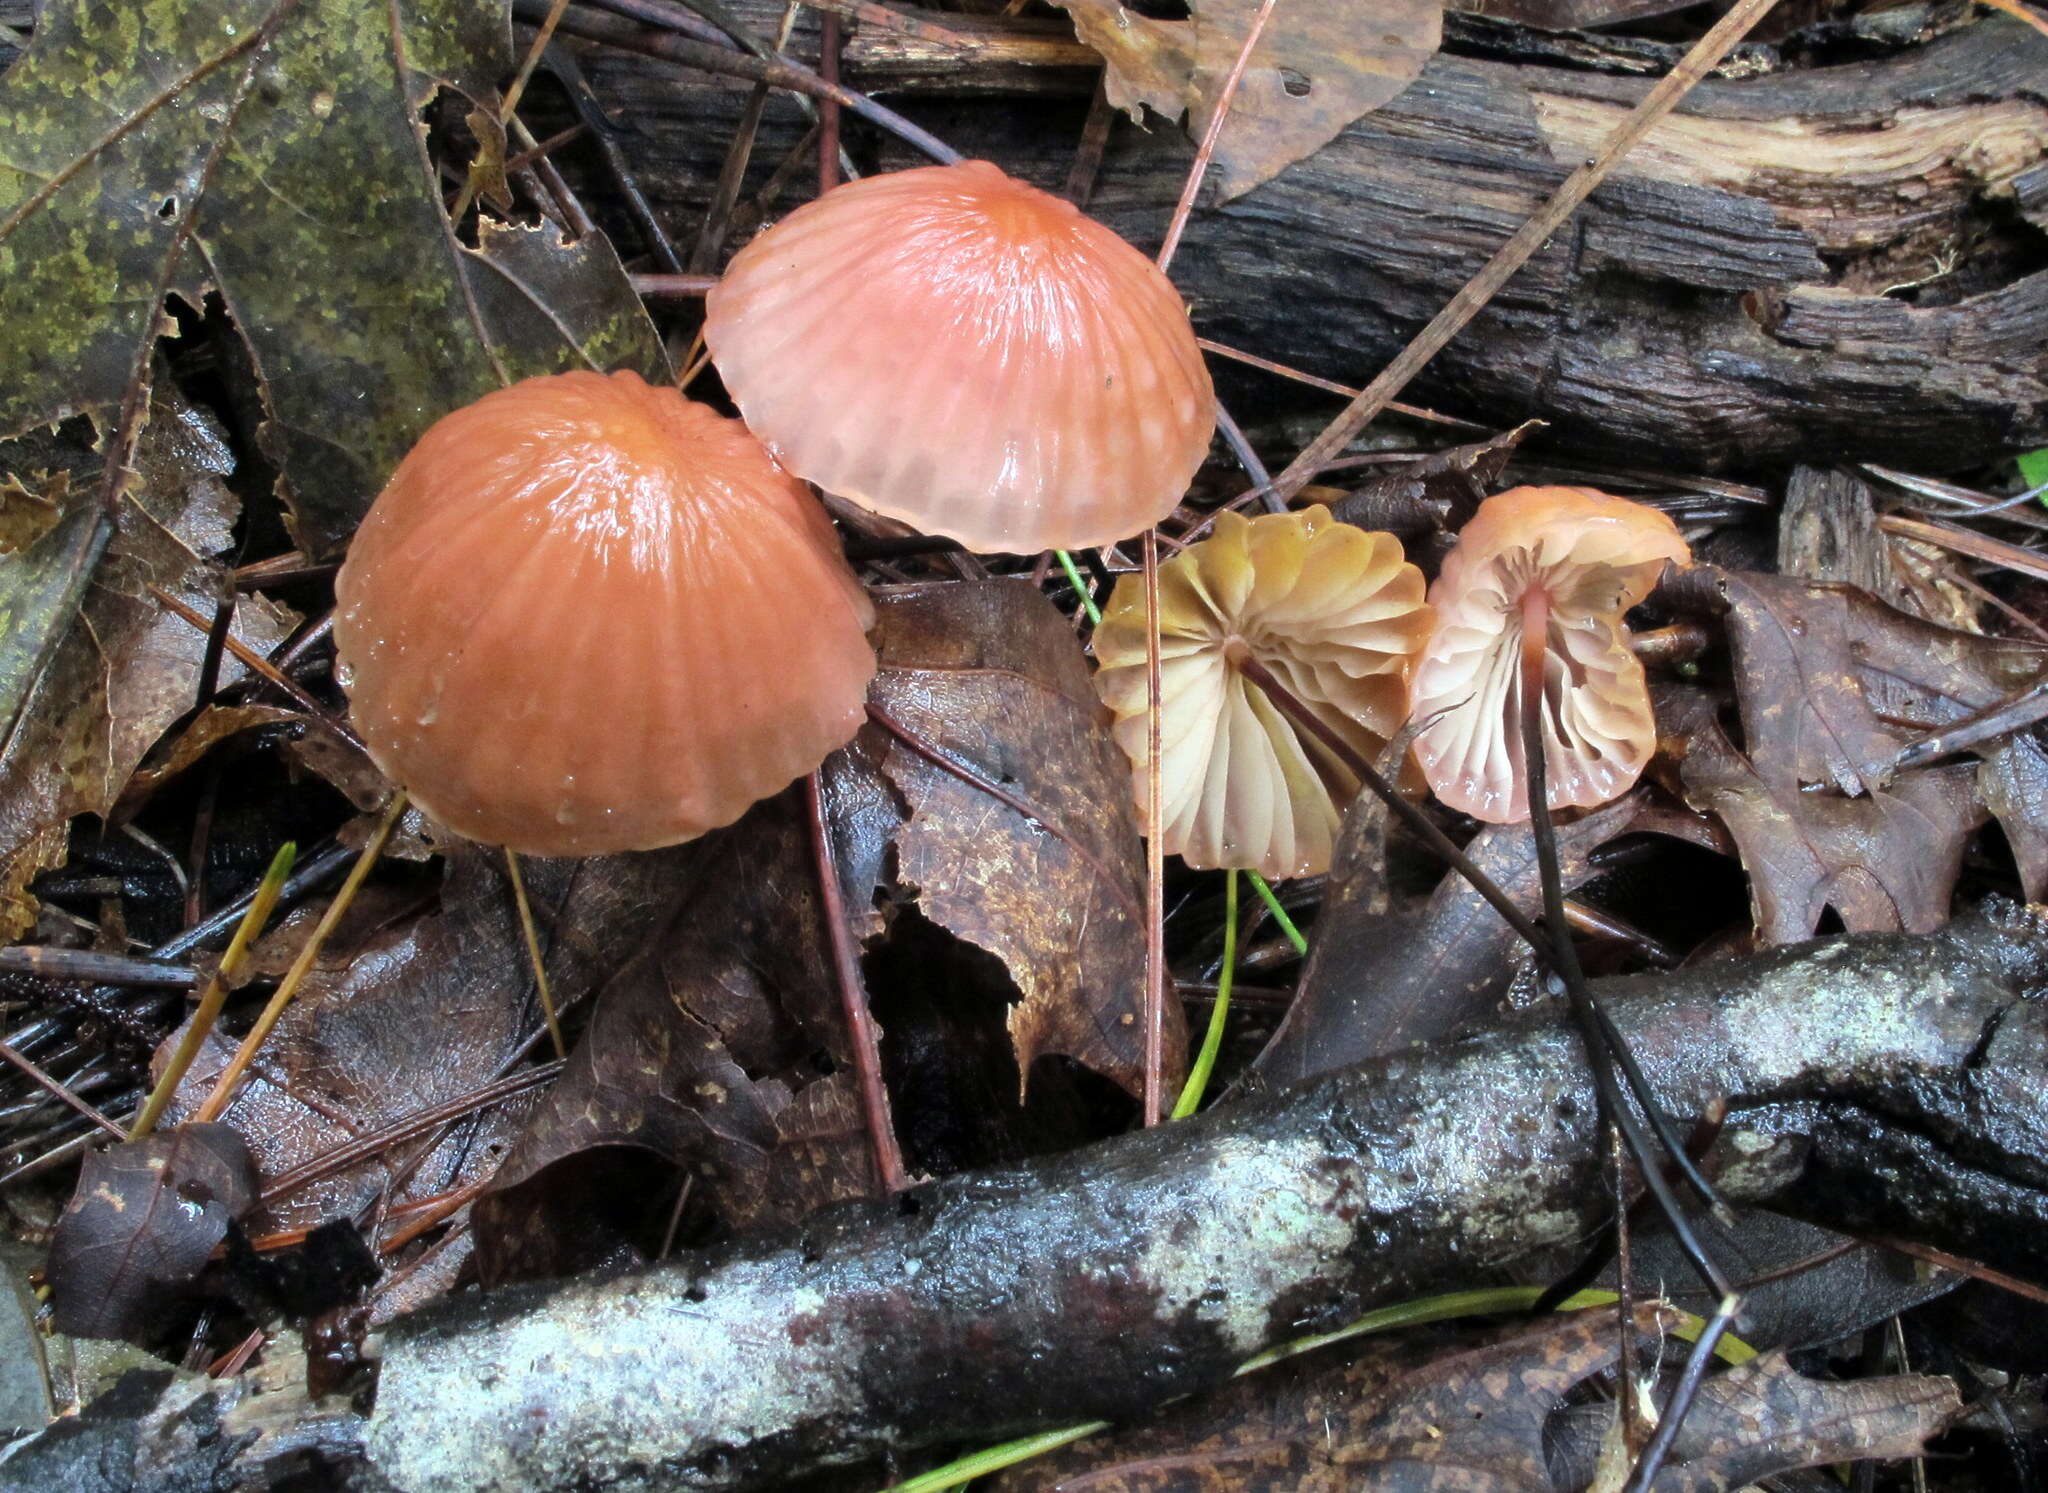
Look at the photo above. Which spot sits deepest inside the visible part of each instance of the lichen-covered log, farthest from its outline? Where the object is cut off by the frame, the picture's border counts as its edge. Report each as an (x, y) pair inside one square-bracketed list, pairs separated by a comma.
[(1843, 262), (1889, 1083)]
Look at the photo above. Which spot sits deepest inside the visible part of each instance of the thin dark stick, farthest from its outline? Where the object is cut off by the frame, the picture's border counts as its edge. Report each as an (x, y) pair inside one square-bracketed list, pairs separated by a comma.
[(562, 63), (1087, 165), (2015, 712), (1625, 1287), (1206, 151), (1154, 1004), (216, 645), (1705, 55), (1682, 1397), (672, 287), (731, 177), (553, 143), (780, 73), (1330, 386), (250, 659), (1247, 458), (853, 996), (44, 1081), (97, 966)]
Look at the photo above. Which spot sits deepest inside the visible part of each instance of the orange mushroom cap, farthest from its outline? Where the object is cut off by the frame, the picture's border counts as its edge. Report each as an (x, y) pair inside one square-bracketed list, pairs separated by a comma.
[(1335, 612), (1593, 557), (587, 615), (956, 349)]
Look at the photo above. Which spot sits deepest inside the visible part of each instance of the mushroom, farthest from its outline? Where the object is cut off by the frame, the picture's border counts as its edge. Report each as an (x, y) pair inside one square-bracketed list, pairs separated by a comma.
[(956, 349), (1335, 613), (1556, 567), (587, 615)]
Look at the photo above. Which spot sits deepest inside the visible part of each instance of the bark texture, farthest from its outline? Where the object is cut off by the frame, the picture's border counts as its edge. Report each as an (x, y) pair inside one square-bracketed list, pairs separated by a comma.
[(1844, 262), (1885, 1083)]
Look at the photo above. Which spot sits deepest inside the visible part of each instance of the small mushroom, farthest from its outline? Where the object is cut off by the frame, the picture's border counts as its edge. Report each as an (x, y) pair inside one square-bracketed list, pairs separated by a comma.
[(587, 615), (1560, 565), (956, 349), (1333, 612)]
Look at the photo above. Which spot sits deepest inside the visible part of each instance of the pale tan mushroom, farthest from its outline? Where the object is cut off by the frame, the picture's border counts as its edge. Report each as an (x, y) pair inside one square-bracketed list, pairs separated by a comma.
[(1570, 561), (1334, 612)]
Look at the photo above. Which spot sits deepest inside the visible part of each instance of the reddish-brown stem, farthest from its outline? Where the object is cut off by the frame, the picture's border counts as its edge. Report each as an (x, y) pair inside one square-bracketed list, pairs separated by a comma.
[(828, 108), (853, 996)]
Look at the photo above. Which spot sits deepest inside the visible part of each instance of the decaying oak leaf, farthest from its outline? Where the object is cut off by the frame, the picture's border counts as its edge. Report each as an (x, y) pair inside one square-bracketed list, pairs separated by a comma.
[(1885, 861), (271, 152), (1335, 613), (145, 1217), (1315, 69), (92, 665), (990, 677), (407, 1010), (1833, 682)]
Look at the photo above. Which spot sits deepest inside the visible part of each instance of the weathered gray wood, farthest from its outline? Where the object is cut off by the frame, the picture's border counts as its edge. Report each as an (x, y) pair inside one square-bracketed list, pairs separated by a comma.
[(1720, 305), (1881, 1082)]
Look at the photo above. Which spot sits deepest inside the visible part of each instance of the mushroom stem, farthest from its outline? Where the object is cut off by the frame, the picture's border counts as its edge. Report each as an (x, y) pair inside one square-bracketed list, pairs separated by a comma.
[(1609, 1040), (1605, 1047), (853, 996), (1155, 848)]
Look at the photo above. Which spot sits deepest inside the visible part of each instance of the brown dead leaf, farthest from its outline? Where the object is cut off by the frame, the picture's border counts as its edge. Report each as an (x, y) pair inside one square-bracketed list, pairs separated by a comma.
[(1761, 1419), (1885, 861), (125, 667), (408, 1010), (1315, 69), (990, 676), (1379, 979), (704, 1050), (142, 1223)]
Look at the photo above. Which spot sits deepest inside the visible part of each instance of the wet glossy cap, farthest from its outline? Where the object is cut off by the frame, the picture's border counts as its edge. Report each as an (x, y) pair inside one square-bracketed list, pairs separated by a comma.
[(1594, 556), (1335, 612), (587, 615), (956, 349)]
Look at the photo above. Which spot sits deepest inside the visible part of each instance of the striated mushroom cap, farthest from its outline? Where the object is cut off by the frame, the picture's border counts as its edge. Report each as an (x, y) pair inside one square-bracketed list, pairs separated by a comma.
[(1594, 556), (1334, 611), (956, 349), (587, 615)]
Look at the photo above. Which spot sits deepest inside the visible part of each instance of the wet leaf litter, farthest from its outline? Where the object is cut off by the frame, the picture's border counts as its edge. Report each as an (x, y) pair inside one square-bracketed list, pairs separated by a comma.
[(940, 950)]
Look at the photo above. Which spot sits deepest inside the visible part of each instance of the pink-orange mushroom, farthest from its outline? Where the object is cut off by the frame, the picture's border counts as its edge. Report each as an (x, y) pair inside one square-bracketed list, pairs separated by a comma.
[(1567, 562), (956, 349), (587, 615)]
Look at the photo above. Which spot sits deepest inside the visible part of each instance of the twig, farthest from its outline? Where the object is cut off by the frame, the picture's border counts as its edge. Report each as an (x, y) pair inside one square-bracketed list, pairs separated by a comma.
[(780, 73), (57, 1090), (1206, 151), (1703, 57), (828, 109), (256, 663), (1967, 542), (853, 996)]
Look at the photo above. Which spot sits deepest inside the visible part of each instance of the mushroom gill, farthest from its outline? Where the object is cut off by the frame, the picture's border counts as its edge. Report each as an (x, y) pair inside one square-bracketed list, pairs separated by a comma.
[(1334, 612), (1566, 563)]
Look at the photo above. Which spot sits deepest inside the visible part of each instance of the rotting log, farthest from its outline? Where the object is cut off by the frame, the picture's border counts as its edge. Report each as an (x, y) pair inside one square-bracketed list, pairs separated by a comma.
[(1846, 262), (1881, 1083)]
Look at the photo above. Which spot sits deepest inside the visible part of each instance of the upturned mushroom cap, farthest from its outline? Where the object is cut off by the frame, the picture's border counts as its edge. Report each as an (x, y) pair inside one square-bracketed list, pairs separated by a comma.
[(587, 615), (1594, 556), (956, 349), (1336, 614)]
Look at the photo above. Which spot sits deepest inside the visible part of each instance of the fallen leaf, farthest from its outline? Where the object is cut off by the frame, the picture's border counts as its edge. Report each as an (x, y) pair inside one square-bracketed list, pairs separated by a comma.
[(408, 1010), (1761, 1418), (1315, 69), (92, 666), (1885, 861), (703, 1051), (990, 678), (1380, 978), (272, 152), (142, 1223)]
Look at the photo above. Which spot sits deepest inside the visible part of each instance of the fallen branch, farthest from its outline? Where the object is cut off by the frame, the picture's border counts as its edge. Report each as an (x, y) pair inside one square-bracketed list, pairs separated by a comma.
[(1888, 1084)]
